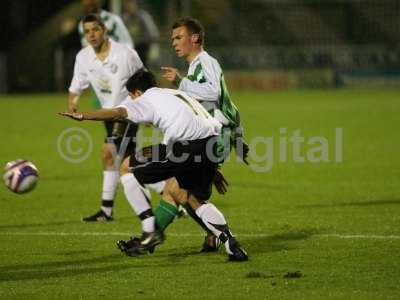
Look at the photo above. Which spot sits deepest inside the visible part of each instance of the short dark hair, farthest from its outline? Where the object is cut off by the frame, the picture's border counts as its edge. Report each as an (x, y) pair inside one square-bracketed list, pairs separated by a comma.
[(142, 80), (93, 18), (193, 26)]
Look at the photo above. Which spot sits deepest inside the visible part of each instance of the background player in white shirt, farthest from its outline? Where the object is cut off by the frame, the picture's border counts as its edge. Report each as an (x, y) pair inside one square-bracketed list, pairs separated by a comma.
[(105, 65), (116, 28), (190, 134), (205, 82)]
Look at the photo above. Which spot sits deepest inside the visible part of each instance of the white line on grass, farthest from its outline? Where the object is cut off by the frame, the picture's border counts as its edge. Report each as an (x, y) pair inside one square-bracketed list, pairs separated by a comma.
[(360, 236), (331, 235)]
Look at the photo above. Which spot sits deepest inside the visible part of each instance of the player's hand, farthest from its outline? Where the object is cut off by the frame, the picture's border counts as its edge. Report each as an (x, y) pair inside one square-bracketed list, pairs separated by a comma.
[(170, 74), (242, 149), (74, 115), (220, 183)]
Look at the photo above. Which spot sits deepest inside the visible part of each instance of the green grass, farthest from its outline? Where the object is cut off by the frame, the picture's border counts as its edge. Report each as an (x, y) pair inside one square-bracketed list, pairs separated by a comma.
[(327, 220)]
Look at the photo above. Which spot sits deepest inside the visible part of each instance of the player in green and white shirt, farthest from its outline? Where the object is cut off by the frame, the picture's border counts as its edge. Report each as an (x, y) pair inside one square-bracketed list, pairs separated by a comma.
[(205, 82), (116, 29)]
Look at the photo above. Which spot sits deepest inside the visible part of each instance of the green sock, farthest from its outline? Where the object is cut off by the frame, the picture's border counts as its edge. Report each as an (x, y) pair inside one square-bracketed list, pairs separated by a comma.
[(165, 214)]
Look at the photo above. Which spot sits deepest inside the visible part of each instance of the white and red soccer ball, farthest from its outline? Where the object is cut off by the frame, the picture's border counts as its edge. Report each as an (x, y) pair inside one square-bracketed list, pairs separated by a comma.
[(20, 176)]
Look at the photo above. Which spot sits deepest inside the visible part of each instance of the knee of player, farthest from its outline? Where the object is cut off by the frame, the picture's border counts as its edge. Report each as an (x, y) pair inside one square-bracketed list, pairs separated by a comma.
[(124, 168), (174, 192), (167, 197), (107, 156)]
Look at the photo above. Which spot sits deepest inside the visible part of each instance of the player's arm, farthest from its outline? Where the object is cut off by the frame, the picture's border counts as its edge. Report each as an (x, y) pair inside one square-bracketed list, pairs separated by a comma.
[(73, 100), (203, 85), (203, 90), (105, 114), (79, 83), (200, 87), (172, 75), (141, 110)]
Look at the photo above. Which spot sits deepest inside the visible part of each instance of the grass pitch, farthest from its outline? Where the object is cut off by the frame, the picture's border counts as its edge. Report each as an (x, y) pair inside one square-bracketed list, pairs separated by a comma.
[(334, 223)]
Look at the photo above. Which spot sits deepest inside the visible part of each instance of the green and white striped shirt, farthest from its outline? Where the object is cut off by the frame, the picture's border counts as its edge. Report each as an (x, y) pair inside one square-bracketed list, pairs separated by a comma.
[(205, 82)]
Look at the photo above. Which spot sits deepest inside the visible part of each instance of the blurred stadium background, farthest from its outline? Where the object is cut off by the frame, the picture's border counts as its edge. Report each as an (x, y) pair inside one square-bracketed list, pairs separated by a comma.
[(277, 44)]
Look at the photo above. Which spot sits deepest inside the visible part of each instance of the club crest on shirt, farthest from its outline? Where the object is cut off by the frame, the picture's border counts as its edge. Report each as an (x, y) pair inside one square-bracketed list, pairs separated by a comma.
[(113, 68), (104, 85)]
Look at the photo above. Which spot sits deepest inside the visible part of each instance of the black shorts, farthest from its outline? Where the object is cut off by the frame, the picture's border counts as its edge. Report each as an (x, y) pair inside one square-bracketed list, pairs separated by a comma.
[(116, 132), (188, 162)]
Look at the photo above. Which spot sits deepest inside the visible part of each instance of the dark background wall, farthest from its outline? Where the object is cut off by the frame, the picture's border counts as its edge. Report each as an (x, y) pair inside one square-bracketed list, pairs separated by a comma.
[(265, 34)]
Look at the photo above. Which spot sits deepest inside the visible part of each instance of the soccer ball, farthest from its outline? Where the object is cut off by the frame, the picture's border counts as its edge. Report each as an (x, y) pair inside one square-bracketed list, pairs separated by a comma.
[(20, 176)]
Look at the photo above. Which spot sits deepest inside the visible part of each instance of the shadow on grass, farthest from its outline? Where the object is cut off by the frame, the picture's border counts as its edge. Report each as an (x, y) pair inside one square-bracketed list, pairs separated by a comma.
[(277, 242), (117, 262), (177, 255), (356, 204), (253, 244), (70, 268), (21, 226), (59, 264), (40, 274)]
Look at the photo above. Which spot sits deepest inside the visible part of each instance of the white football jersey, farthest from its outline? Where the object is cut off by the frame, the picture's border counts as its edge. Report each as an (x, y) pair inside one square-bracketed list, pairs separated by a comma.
[(176, 114), (116, 29), (108, 77)]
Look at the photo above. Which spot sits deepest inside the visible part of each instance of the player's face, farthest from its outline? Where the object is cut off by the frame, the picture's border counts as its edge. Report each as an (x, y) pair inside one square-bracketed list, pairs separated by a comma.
[(94, 34), (182, 41)]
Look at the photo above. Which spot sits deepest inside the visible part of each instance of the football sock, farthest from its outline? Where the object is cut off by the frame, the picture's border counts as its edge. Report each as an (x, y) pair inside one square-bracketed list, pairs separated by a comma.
[(107, 207), (148, 221), (164, 213), (110, 183), (215, 221), (158, 187), (139, 199), (195, 217)]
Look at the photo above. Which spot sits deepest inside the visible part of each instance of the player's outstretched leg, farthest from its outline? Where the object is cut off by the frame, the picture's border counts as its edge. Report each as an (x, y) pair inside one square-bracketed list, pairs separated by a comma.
[(215, 221), (138, 197), (211, 242)]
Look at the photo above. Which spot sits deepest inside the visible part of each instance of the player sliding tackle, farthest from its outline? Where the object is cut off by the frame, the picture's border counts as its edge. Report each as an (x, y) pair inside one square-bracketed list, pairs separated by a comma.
[(190, 136)]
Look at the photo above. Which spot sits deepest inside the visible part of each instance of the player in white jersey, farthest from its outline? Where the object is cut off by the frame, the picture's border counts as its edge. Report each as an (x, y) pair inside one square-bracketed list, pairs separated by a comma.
[(106, 66), (187, 153), (116, 28), (205, 82)]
